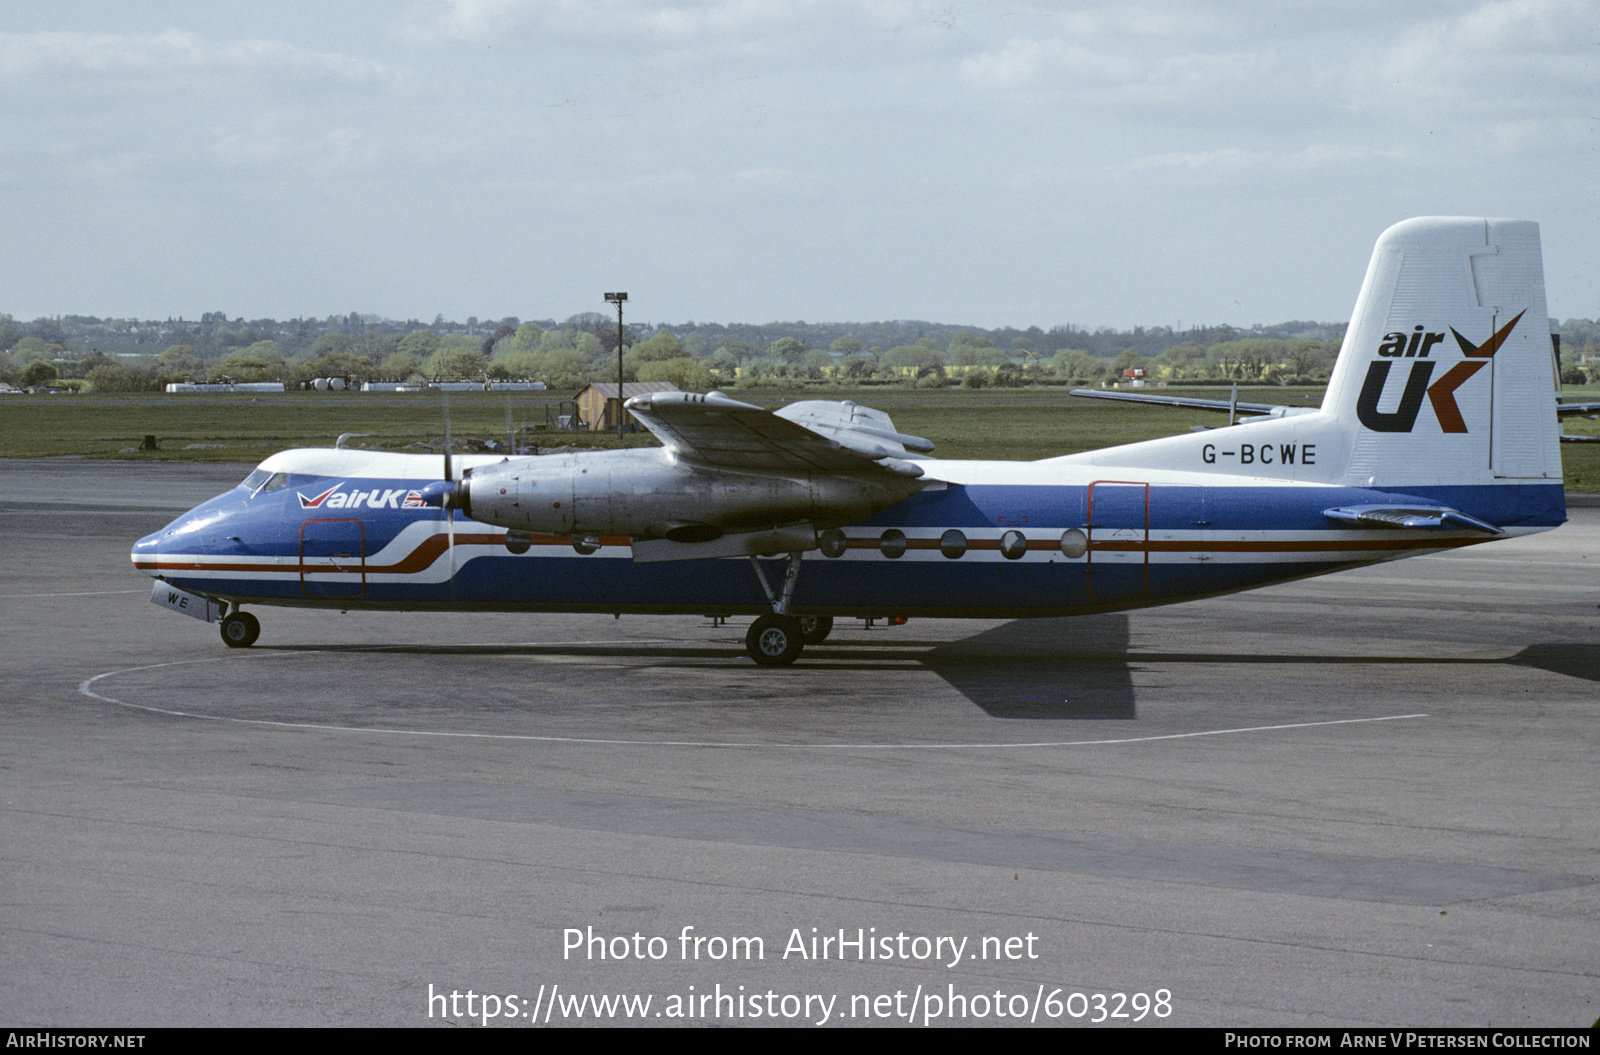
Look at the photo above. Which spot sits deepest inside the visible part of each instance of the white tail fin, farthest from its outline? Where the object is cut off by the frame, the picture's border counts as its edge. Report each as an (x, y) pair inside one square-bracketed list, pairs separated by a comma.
[(1446, 374)]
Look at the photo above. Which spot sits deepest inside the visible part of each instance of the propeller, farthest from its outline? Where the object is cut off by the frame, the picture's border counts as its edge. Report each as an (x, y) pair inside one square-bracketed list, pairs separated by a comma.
[(445, 392), (449, 493), (442, 495)]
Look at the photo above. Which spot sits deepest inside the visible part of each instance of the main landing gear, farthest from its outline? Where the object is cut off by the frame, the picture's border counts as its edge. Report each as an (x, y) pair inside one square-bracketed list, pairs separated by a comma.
[(777, 640), (240, 629), (815, 628), (774, 640)]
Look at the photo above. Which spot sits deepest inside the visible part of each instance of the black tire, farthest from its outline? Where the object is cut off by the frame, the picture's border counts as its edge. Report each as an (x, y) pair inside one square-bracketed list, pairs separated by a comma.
[(774, 641), (814, 629), (240, 630)]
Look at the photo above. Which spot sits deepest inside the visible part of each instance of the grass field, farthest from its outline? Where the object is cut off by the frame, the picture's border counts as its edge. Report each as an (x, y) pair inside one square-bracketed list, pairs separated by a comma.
[(1022, 423)]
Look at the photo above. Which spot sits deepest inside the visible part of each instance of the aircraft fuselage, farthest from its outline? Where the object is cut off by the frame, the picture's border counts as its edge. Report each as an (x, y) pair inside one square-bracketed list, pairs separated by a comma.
[(1039, 539)]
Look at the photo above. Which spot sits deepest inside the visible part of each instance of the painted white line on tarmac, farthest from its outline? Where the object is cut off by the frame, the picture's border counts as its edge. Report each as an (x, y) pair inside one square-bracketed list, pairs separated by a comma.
[(85, 688)]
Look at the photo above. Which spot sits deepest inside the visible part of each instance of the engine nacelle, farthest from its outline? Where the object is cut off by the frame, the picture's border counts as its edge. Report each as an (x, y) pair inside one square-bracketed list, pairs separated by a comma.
[(649, 494)]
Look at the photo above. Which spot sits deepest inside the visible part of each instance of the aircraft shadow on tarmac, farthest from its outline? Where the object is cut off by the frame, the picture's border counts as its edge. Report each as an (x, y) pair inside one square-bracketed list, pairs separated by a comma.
[(1081, 668), (1072, 668), (1076, 668), (1573, 660), (1055, 669)]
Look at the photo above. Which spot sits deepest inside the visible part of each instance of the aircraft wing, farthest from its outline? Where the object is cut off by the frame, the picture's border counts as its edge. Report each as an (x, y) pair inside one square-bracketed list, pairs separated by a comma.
[(1563, 409), (813, 436)]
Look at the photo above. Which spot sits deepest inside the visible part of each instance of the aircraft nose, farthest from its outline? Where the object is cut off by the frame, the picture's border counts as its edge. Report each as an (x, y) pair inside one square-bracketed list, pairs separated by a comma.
[(145, 551)]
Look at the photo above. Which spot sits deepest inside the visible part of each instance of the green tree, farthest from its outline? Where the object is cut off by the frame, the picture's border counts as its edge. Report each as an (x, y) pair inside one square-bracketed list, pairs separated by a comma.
[(855, 367), (968, 339), (259, 362), (458, 359), (918, 356), (564, 368), (400, 365), (686, 373), (527, 338), (515, 364), (1308, 357), (139, 375), (419, 344), (1075, 364), (38, 372), (738, 348), (35, 349), (659, 348), (180, 362), (975, 351), (331, 343), (786, 350), (1128, 359)]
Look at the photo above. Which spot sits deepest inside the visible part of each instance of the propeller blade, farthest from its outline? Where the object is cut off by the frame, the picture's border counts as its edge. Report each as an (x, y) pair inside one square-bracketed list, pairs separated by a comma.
[(445, 498), (445, 392), (450, 547)]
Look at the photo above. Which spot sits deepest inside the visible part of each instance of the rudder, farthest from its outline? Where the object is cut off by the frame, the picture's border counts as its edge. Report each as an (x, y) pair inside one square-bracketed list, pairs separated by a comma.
[(1446, 375)]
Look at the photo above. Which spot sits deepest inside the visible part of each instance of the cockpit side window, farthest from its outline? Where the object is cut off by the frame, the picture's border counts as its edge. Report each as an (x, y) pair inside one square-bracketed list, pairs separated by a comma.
[(261, 481)]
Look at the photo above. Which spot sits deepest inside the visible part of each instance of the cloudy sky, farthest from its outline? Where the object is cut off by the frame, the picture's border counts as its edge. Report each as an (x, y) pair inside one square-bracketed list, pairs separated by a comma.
[(1104, 162)]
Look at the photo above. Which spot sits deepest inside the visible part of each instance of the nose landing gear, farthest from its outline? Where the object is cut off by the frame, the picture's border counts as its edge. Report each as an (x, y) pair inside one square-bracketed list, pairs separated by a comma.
[(240, 629)]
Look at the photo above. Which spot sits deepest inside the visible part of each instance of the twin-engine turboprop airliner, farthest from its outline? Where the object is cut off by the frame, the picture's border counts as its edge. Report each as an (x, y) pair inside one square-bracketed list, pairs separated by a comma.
[(1438, 430)]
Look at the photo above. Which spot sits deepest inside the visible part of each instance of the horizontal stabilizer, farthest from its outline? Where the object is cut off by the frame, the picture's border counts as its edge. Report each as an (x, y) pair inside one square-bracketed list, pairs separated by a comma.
[(1190, 402), (1431, 518), (1586, 410)]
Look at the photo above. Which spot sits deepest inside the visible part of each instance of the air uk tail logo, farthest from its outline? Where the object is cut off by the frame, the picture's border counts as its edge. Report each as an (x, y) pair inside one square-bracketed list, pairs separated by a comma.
[(1441, 393)]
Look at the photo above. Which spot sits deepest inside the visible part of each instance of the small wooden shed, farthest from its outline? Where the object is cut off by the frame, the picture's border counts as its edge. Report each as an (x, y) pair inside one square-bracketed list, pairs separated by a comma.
[(598, 405)]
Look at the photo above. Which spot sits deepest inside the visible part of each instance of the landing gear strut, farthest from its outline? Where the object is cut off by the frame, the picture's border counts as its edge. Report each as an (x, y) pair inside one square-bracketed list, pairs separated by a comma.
[(240, 629), (776, 640)]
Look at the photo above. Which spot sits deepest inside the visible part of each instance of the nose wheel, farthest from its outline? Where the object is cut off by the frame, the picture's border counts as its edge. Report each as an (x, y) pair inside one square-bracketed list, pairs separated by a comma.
[(240, 630)]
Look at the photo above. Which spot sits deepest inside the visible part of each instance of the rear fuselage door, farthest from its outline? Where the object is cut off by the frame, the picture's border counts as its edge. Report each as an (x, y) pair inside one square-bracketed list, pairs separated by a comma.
[(1119, 536)]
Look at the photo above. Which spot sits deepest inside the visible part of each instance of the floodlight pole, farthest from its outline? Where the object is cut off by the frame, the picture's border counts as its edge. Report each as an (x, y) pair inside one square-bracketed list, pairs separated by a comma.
[(617, 299)]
